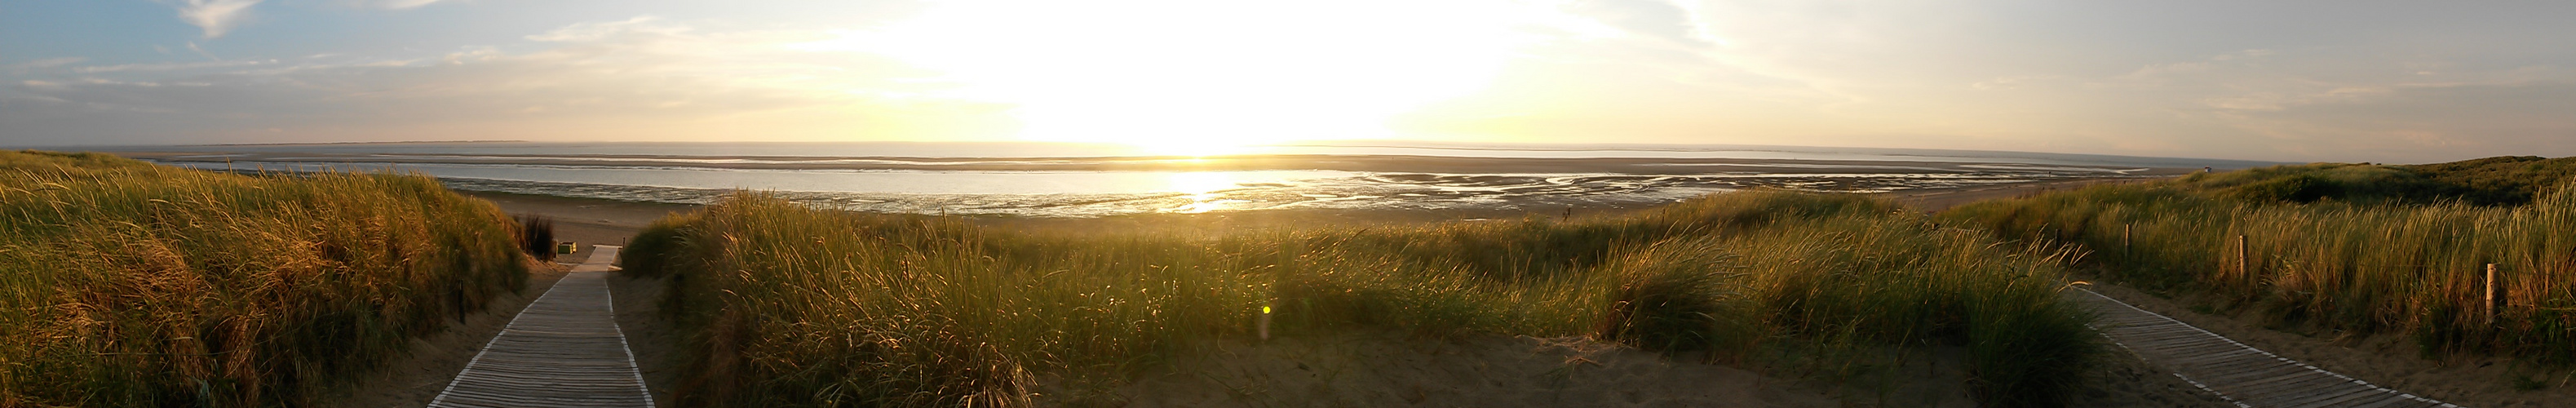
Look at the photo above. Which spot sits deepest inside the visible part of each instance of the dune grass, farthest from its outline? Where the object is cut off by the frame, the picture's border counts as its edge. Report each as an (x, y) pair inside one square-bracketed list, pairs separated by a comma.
[(784, 305), (2409, 267), (2491, 182), (128, 284)]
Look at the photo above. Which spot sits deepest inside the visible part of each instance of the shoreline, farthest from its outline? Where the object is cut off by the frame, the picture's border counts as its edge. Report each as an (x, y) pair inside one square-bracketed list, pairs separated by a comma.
[(1369, 188), (1374, 163), (612, 222)]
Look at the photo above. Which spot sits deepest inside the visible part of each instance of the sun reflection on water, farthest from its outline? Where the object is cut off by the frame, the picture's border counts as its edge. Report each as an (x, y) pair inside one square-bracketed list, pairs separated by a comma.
[(1205, 190)]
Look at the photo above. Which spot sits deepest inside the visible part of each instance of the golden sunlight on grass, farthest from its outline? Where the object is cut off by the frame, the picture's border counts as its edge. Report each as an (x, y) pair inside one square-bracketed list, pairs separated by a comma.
[(129, 284), (783, 304)]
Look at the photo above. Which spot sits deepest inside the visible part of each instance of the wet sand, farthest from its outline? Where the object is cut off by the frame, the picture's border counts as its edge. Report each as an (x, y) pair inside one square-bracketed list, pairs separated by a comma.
[(1356, 163), (601, 221), (1342, 187)]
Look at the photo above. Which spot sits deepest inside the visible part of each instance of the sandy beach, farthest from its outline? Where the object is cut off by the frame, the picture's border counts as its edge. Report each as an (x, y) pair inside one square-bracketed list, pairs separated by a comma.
[(586, 220)]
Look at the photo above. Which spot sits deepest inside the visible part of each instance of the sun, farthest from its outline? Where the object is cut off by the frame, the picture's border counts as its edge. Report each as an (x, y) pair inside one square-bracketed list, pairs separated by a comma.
[(1206, 77)]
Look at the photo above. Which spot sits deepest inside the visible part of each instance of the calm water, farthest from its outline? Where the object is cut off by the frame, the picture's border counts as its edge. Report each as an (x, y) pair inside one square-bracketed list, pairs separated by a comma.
[(1056, 179)]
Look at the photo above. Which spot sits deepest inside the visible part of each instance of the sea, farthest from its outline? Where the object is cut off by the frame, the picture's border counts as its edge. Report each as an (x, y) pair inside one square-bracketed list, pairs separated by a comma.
[(1091, 180)]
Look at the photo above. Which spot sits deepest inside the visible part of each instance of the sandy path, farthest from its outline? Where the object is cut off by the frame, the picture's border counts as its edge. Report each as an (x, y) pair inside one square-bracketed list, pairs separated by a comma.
[(584, 220)]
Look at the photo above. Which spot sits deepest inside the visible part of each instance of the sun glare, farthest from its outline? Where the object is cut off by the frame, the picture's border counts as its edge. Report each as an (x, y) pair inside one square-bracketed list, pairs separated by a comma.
[(1200, 77), (1202, 189)]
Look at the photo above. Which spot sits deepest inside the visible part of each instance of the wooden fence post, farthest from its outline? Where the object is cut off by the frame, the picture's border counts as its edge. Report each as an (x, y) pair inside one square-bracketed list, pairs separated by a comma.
[(2124, 239), (456, 296), (2243, 268), (2491, 295)]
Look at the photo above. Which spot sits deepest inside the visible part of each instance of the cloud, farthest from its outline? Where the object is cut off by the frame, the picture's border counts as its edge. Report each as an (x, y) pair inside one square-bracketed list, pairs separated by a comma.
[(582, 32), (48, 63), (626, 80), (167, 66), (2429, 122), (2412, 83), (1654, 18), (216, 17), (2165, 73), (404, 4)]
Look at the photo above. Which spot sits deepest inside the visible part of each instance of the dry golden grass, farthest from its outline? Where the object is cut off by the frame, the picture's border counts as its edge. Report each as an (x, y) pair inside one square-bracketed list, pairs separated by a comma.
[(790, 306), (128, 284), (2412, 269)]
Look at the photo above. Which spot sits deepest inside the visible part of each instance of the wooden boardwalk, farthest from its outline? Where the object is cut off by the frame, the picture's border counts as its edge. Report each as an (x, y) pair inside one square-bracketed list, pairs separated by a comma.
[(565, 350), (2239, 373)]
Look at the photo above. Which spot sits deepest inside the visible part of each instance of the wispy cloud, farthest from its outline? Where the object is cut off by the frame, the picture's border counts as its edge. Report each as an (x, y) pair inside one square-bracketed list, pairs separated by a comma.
[(635, 79), (599, 30), (48, 62), (216, 17), (167, 66), (201, 51), (404, 4), (2392, 83), (1655, 18)]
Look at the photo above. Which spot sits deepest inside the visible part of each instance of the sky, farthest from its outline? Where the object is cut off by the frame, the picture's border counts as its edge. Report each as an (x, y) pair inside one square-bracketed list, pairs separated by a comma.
[(2343, 81)]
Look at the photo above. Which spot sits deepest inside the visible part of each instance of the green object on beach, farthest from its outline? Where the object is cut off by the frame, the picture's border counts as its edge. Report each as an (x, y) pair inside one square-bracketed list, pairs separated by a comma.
[(563, 248)]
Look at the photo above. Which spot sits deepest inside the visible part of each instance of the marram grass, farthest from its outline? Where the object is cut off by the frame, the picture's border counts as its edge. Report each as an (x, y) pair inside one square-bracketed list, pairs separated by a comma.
[(2417, 270), (128, 284), (789, 306)]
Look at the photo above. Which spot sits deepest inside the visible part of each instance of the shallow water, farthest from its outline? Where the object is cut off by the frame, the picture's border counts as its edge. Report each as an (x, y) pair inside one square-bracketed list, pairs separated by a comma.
[(1066, 180)]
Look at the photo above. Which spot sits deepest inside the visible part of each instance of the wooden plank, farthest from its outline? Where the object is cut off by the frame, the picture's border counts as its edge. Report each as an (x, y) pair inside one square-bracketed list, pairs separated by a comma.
[(2348, 396), (2182, 335), (2267, 381), (564, 350), (2207, 352), (2233, 370), (2299, 385), (2248, 376)]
